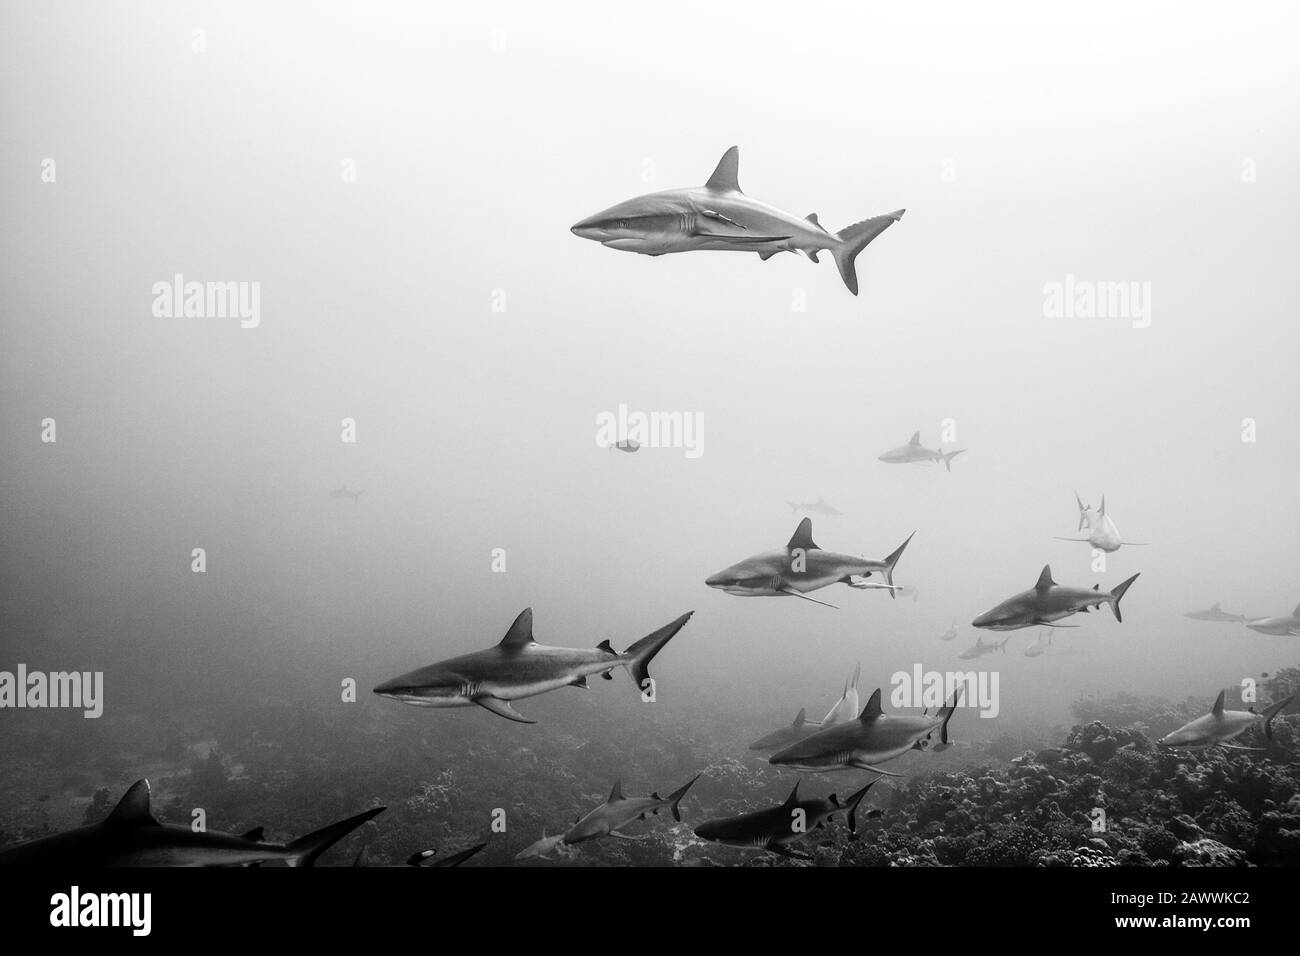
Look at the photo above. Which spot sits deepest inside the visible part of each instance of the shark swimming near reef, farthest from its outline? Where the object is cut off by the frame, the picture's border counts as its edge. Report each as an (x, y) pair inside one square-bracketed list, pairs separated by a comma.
[(1048, 602), (776, 828), (1220, 726), (619, 811)]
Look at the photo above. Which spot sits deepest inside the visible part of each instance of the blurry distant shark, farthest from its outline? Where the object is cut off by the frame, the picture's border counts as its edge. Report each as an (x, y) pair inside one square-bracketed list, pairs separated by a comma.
[(871, 739), (628, 445), (1216, 614), (816, 507), (1039, 647), (979, 649), (788, 734), (1047, 602), (346, 492), (130, 836), (776, 828), (1102, 533), (914, 451), (800, 567), (950, 634), (619, 811), (518, 667), (719, 216), (846, 708), (1219, 726), (1288, 625), (544, 847), (424, 856)]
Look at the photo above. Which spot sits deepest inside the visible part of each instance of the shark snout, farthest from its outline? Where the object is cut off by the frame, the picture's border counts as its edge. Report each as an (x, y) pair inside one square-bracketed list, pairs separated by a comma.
[(588, 228)]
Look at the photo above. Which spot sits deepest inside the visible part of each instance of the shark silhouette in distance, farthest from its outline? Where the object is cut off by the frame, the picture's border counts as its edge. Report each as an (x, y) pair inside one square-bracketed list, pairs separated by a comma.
[(914, 452), (1048, 602), (130, 836), (1040, 645), (423, 857), (1102, 533), (619, 811), (870, 740), (1287, 625), (1217, 614), (545, 847), (628, 445), (719, 216), (801, 566), (801, 728), (346, 492), (979, 649), (950, 634), (819, 507), (519, 667), (776, 828), (1219, 726)]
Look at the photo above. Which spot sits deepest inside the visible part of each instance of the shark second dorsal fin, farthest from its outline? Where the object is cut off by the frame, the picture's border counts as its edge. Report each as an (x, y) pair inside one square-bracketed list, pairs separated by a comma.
[(872, 710), (1045, 579), (724, 178), (617, 793), (521, 632), (791, 800), (812, 218), (915, 439), (802, 537), (133, 809), (801, 717), (1217, 710)]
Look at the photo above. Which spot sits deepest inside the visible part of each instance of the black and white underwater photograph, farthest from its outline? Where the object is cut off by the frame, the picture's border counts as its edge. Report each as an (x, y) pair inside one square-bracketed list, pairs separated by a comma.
[(694, 436)]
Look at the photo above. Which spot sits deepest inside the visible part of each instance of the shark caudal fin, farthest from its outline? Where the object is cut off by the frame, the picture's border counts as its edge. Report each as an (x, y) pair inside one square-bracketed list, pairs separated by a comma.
[(675, 798), (947, 458), (1273, 712), (305, 850), (1118, 593), (888, 572), (853, 802), (853, 239), (644, 650)]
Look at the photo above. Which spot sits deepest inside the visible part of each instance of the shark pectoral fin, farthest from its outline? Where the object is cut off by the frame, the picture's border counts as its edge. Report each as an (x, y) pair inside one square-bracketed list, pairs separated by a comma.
[(863, 765), (786, 589), (1059, 538), (780, 850), (1257, 750), (502, 708), (1050, 624)]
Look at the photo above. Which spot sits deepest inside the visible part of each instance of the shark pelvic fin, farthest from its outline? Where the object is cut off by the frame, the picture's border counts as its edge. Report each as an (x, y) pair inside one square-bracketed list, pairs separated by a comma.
[(133, 809), (502, 708), (802, 537), (726, 173), (521, 632)]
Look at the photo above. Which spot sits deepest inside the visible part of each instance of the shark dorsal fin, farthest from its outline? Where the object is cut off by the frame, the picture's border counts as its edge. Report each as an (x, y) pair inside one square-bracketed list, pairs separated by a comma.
[(1096, 587), (803, 537), (724, 178), (1295, 613), (812, 218), (801, 717), (257, 834), (915, 439), (791, 800), (1102, 512), (606, 646), (133, 809), (617, 793), (1217, 710), (1045, 579), (521, 632), (872, 709)]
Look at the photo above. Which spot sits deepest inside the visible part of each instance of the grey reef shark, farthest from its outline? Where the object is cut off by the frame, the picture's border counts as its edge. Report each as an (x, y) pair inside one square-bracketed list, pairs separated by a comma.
[(870, 740), (346, 492), (979, 649), (519, 667), (130, 836), (801, 566), (1048, 602), (718, 216), (1219, 726), (845, 709), (1216, 613), (776, 828), (819, 507), (1102, 533), (914, 452), (1287, 625), (619, 811), (423, 858)]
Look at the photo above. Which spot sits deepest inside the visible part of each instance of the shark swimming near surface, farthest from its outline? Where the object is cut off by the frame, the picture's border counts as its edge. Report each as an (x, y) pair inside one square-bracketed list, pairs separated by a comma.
[(1215, 613), (776, 828), (519, 667), (1048, 602), (914, 451), (1102, 533), (719, 216), (979, 649), (816, 507), (1287, 625), (870, 740), (1219, 726), (619, 811), (802, 566), (130, 836)]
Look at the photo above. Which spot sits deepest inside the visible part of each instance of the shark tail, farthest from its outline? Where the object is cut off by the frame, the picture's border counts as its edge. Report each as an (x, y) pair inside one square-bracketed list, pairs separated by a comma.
[(1118, 593), (1273, 712), (305, 850), (948, 457), (675, 798), (853, 805), (644, 650), (853, 239), (888, 572)]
